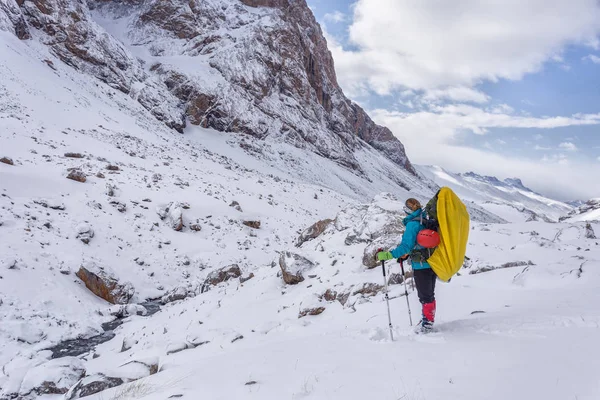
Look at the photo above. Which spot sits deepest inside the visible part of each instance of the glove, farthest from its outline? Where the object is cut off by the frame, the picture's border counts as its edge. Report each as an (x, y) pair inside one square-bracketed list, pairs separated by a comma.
[(384, 256)]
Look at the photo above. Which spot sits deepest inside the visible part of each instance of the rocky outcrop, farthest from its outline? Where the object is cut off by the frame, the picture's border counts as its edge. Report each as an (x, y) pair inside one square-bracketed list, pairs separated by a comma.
[(77, 175), (252, 224), (6, 160), (287, 88), (52, 377), (221, 275), (104, 285), (589, 231), (293, 267), (314, 231), (85, 233), (178, 293), (172, 215), (91, 385)]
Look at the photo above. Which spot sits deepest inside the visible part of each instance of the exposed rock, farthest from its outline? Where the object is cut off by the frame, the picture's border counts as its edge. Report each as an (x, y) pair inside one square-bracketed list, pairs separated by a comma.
[(178, 293), (127, 310), (111, 167), (6, 160), (105, 286), (311, 311), (252, 224), (330, 295), (121, 207), (74, 155), (111, 189), (368, 290), (174, 348), (313, 231), (247, 278), (52, 377), (172, 214), (49, 203), (236, 205), (77, 175), (293, 266), (221, 275), (386, 242), (100, 175), (85, 233), (92, 384), (488, 268), (196, 227), (589, 231)]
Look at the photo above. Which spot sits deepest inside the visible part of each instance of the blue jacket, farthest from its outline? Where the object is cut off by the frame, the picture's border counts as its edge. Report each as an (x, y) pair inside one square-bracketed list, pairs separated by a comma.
[(409, 239)]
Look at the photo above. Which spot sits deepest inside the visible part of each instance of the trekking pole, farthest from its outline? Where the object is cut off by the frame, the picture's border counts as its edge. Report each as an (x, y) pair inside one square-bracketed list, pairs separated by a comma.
[(387, 299), (405, 290)]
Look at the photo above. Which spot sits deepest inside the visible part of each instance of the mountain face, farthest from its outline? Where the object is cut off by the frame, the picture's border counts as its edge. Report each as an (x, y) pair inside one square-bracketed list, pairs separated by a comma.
[(509, 199), (253, 67)]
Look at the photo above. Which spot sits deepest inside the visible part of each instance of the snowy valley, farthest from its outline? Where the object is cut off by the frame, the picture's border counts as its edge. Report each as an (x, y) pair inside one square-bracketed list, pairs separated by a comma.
[(239, 254)]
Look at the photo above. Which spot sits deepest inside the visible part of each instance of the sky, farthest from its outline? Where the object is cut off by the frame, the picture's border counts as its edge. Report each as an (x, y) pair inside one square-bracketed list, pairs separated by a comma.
[(507, 88)]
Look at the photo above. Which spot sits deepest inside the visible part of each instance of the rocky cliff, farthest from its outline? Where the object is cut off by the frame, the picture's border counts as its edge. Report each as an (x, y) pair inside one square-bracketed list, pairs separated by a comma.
[(254, 67)]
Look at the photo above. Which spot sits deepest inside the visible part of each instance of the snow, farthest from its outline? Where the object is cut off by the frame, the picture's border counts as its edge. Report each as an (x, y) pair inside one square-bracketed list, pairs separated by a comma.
[(509, 199), (537, 337)]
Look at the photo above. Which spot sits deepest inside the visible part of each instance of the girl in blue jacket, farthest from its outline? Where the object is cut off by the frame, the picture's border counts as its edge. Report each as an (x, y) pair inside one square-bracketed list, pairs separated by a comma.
[(424, 276)]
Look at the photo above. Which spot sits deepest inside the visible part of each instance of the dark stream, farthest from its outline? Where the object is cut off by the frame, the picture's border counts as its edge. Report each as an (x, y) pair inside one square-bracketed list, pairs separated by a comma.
[(76, 347)]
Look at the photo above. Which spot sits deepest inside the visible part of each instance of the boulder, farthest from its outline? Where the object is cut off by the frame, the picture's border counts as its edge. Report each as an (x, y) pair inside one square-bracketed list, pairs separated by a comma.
[(77, 175), (172, 215), (73, 155), (368, 289), (313, 231), (178, 293), (112, 167), (52, 377), (221, 275), (589, 231), (104, 285), (252, 224), (236, 205), (85, 233), (311, 311), (386, 242), (293, 266), (52, 204), (6, 160), (92, 384)]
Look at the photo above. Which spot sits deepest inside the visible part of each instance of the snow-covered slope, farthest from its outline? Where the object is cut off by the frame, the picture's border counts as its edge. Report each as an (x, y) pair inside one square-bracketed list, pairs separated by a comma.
[(210, 226), (509, 199), (257, 68), (588, 211)]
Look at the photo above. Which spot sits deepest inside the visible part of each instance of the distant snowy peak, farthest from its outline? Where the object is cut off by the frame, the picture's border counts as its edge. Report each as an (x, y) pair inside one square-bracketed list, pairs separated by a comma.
[(589, 211), (492, 180), (510, 199)]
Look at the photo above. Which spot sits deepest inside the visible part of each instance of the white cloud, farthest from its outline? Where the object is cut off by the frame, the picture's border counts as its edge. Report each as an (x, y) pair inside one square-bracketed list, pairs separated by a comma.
[(500, 142), (538, 136), (432, 45), (541, 148), (431, 138), (569, 146), (592, 58), (460, 94), (336, 17), (502, 109)]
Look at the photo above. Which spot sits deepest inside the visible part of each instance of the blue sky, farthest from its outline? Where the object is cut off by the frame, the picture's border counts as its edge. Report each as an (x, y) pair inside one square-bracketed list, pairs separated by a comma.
[(505, 88)]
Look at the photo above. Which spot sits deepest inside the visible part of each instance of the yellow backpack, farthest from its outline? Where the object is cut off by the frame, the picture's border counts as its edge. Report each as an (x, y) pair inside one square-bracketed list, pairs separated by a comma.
[(447, 214)]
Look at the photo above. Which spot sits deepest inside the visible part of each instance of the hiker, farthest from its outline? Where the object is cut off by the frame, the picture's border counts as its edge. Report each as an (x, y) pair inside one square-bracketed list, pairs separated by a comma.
[(423, 275)]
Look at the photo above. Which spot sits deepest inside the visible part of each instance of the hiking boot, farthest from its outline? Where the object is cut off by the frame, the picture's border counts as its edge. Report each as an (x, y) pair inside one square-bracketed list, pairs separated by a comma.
[(428, 319), (425, 326)]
